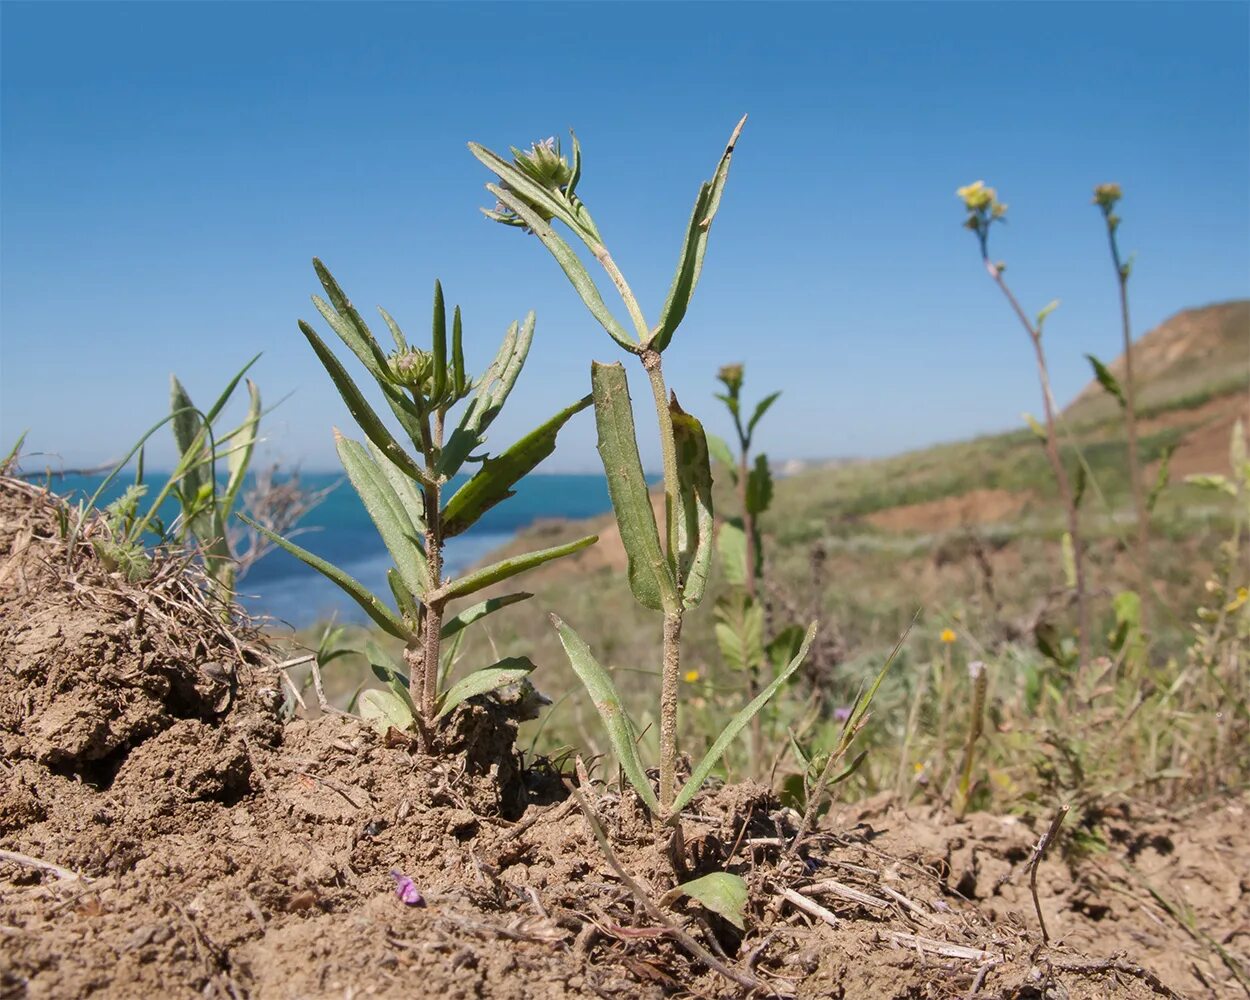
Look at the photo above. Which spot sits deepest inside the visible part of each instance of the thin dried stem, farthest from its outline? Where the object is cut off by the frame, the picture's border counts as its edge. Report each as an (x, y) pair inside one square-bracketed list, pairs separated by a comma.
[(653, 911), (1056, 462), (1039, 852)]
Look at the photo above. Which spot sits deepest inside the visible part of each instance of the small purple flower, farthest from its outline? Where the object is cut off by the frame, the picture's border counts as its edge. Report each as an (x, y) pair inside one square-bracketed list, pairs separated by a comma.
[(406, 889), (842, 713)]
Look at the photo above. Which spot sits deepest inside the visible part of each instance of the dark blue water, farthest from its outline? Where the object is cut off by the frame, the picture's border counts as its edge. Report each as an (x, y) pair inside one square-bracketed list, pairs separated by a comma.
[(339, 530)]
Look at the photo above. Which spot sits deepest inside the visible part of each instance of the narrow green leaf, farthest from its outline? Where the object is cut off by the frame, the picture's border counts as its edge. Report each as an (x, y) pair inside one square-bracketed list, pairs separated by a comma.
[(189, 437), (457, 354), (621, 732), (761, 408), (351, 328), (784, 645), (439, 343), (1105, 379), (694, 514), (372, 605), (759, 486), (732, 545), (387, 512), (507, 671), (479, 611), (405, 489), (721, 892), (719, 450), (736, 725), (397, 335), (572, 267), (405, 600), (690, 263), (1038, 430), (385, 709), (360, 409), (497, 572), (494, 481), (489, 397), (387, 670), (241, 457), (1069, 559), (650, 574)]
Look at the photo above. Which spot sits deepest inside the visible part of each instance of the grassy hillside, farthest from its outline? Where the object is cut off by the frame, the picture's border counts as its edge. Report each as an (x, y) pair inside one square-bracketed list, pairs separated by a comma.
[(967, 533)]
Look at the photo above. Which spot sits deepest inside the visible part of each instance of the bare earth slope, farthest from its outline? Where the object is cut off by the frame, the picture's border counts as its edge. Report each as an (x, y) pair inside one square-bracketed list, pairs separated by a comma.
[(164, 832)]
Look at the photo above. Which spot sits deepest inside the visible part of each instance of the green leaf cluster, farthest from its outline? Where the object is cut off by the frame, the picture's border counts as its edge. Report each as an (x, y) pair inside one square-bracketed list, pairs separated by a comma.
[(402, 479)]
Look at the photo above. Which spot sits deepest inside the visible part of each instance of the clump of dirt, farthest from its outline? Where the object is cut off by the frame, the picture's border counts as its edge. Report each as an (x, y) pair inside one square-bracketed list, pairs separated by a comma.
[(194, 844)]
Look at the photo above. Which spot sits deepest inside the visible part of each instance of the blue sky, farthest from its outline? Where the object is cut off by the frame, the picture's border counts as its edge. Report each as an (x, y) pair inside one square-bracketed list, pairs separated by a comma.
[(169, 170)]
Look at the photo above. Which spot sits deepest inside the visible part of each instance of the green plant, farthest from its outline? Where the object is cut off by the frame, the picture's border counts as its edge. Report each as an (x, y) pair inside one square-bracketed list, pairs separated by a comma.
[(740, 620), (668, 572), (204, 503), (405, 496), (1105, 197), (983, 210)]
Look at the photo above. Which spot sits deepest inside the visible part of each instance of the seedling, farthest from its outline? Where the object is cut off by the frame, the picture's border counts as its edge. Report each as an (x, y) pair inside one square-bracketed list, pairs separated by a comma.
[(740, 624), (204, 503), (668, 572), (405, 491)]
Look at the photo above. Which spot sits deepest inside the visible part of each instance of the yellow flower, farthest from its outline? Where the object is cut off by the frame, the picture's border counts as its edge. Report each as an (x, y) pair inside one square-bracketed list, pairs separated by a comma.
[(948, 635), (691, 676), (1243, 594), (976, 195)]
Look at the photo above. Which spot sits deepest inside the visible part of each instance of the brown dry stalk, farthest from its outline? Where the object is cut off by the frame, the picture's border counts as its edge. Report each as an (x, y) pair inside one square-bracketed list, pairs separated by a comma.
[(1056, 463), (1039, 852)]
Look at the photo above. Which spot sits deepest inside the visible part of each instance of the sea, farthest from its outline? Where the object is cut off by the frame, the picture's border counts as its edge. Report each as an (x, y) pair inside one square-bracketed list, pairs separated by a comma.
[(339, 530)]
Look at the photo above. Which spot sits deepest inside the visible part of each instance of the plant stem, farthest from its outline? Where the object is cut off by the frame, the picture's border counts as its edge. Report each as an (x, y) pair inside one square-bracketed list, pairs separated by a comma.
[(1130, 420), (668, 448), (672, 619), (626, 293), (748, 529), (432, 637), (1056, 463), (668, 709)]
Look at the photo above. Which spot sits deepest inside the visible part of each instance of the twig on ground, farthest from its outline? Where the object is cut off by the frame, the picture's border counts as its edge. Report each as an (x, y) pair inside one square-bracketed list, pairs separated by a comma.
[(26, 861), (836, 888), (808, 906), (1039, 852), (1119, 965), (944, 948)]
